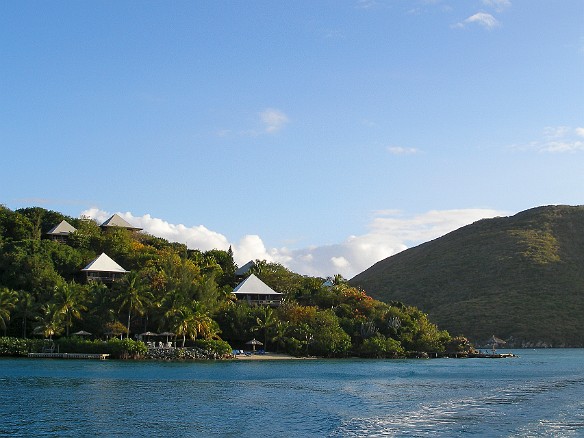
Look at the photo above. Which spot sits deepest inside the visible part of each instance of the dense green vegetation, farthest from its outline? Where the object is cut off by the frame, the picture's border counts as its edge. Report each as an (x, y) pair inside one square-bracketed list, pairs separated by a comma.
[(520, 277), (116, 348), (43, 294)]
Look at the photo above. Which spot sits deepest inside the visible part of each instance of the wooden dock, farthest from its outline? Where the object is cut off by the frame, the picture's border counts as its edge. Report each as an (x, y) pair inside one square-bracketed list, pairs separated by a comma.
[(68, 356), (492, 355)]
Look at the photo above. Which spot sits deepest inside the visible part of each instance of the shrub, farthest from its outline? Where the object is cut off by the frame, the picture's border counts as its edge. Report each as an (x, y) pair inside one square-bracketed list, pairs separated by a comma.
[(116, 348), (126, 348), (214, 346), (381, 347), (19, 347)]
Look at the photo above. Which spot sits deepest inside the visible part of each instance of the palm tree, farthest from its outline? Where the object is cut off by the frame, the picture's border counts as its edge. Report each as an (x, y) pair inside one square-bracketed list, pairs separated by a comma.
[(265, 323), (26, 304), (70, 298), (133, 297), (206, 327), (192, 321), (184, 323), (8, 300), (281, 333), (50, 320), (102, 307)]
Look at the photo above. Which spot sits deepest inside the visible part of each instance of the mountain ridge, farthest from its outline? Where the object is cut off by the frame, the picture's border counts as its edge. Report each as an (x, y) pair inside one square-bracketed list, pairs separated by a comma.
[(520, 277)]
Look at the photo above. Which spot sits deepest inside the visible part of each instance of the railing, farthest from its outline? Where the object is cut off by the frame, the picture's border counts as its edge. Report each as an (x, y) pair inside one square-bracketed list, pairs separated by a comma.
[(265, 302)]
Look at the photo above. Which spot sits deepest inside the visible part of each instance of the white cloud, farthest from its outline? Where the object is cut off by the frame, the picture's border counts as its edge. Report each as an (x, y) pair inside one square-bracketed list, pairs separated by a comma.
[(499, 5), (250, 247), (552, 132), (268, 121), (398, 150), (481, 18), (340, 262), (366, 4), (273, 120), (558, 139), (389, 233), (194, 237)]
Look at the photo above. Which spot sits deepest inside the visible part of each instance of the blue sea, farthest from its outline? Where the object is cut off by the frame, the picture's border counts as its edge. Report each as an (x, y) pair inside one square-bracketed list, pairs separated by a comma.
[(538, 394)]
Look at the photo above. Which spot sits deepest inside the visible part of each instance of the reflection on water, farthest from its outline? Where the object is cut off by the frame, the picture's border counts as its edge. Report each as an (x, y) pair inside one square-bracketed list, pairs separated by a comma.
[(537, 394)]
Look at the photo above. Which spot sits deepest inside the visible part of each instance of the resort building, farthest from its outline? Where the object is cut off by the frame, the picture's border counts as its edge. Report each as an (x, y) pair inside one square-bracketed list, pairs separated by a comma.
[(119, 222), (254, 291), (61, 232), (242, 272), (104, 269)]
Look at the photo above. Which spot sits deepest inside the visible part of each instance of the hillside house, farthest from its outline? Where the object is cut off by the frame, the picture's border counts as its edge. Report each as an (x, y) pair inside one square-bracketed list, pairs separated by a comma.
[(60, 233), (116, 221), (242, 272), (254, 291), (103, 269)]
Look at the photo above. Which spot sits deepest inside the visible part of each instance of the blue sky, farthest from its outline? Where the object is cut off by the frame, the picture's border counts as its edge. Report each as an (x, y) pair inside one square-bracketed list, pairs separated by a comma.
[(323, 135)]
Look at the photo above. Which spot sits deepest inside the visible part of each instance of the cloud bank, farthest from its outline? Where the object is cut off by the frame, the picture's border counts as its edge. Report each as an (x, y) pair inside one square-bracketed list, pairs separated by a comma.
[(499, 5), (273, 120), (481, 18), (556, 140), (388, 233), (399, 150)]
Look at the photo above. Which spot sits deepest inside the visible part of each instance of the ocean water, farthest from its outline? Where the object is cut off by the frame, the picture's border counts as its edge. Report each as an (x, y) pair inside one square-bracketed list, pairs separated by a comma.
[(538, 394)]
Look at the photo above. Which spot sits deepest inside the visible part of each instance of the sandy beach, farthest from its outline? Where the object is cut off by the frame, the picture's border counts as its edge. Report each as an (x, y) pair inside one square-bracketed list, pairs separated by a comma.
[(270, 356)]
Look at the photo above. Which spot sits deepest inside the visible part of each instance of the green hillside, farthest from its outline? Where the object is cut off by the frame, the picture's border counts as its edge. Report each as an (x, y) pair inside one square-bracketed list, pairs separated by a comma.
[(139, 283), (519, 277)]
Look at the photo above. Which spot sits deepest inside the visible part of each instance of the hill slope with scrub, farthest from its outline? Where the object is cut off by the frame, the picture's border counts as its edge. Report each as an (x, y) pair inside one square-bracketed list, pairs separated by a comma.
[(519, 277)]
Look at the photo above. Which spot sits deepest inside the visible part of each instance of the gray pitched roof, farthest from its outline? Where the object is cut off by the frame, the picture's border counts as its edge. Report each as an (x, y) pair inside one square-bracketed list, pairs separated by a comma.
[(253, 285), (63, 229), (104, 263), (117, 221), (245, 268)]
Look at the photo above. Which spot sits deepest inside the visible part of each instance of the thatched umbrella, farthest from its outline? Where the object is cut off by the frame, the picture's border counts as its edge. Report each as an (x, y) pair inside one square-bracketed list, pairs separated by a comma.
[(148, 334), (82, 333), (253, 343)]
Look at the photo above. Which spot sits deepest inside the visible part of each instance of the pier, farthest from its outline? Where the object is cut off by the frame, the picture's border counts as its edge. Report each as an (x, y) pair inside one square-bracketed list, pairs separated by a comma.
[(101, 356)]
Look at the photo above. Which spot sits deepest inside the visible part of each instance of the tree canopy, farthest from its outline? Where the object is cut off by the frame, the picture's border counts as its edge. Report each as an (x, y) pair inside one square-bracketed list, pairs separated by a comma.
[(187, 292)]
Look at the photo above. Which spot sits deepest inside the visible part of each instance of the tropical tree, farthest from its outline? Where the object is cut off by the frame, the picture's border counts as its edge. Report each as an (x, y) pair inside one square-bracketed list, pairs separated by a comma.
[(71, 301), (50, 320), (237, 322), (133, 297), (8, 300), (280, 335), (25, 307), (278, 277), (182, 322), (192, 321), (101, 307), (207, 293), (114, 328), (265, 322)]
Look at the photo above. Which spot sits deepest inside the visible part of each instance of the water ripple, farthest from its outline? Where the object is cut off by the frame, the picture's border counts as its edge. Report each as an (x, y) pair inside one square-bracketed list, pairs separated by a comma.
[(538, 395)]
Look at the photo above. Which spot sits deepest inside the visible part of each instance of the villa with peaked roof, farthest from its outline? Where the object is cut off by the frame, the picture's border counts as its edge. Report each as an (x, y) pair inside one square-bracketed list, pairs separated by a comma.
[(104, 269), (244, 270), (117, 221), (61, 232), (252, 290)]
